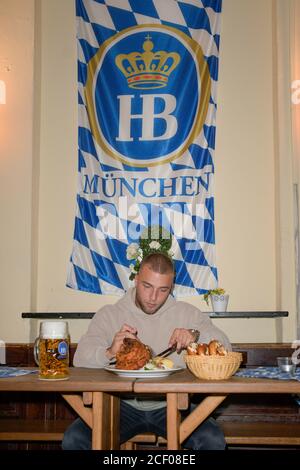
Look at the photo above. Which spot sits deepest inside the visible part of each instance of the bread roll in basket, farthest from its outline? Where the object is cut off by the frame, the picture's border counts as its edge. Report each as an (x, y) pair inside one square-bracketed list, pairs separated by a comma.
[(212, 366)]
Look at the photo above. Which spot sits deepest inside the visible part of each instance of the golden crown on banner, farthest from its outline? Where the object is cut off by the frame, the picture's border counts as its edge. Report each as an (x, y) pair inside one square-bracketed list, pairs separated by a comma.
[(147, 69)]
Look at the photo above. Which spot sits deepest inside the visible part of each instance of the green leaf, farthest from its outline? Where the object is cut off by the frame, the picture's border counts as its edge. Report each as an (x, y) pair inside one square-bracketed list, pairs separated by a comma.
[(217, 291)]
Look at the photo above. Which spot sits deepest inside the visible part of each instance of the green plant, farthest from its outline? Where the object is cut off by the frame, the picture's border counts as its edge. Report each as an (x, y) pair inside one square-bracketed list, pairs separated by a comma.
[(217, 291)]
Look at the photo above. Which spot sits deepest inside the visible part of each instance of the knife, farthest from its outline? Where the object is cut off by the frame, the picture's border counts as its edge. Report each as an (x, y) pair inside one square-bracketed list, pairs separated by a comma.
[(167, 351)]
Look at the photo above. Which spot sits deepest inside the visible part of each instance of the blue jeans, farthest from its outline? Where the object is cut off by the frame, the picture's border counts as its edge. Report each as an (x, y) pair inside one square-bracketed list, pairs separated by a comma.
[(208, 436)]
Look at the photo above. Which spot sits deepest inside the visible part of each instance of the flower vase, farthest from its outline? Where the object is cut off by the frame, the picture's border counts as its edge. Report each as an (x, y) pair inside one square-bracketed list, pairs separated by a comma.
[(219, 303)]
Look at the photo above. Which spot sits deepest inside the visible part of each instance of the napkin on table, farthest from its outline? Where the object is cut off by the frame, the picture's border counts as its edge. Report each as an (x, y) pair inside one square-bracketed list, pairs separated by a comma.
[(14, 372), (268, 373)]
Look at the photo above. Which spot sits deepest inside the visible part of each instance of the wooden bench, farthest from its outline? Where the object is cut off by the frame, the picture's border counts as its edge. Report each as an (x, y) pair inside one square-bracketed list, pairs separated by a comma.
[(241, 434), (262, 433), (246, 420), (33, 429)]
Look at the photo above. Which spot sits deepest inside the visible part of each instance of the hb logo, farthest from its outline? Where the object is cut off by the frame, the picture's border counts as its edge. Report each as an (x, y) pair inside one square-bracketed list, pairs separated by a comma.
[(130, 121), (147, 117)]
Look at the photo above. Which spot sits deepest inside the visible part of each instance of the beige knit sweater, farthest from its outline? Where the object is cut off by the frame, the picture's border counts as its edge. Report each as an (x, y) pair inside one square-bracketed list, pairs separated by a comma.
[(154, 330)]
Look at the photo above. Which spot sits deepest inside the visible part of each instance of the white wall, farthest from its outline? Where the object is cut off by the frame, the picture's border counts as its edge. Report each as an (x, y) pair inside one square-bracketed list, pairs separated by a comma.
[(245, 185), (295, 79), (58, 164), (16, 69), (245, 212)]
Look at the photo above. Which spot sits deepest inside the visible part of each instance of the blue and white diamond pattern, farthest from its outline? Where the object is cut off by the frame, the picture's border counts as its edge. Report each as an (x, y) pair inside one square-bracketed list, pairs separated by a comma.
[(99, 265)]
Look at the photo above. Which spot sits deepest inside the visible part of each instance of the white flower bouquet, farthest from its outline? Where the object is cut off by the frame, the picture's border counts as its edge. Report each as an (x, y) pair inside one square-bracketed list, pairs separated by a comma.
[(154, 239)]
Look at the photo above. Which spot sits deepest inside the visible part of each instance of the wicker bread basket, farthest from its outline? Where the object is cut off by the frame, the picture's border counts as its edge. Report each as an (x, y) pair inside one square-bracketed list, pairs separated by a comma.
[(214, 367)]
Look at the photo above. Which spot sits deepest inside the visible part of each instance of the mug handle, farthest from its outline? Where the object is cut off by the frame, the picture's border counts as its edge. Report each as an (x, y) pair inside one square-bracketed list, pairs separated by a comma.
[(36, 351)]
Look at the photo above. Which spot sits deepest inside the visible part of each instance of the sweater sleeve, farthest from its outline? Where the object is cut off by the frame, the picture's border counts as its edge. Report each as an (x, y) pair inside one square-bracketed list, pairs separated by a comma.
[(92, 346), (201, 321)]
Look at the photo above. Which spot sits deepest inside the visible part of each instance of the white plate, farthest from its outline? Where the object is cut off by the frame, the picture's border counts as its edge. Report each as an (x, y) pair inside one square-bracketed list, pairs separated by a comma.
[(145, 374)]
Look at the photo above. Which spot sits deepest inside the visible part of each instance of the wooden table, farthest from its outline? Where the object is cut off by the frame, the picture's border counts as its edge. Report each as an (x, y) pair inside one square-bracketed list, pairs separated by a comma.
[(179, 385), (93, 387)]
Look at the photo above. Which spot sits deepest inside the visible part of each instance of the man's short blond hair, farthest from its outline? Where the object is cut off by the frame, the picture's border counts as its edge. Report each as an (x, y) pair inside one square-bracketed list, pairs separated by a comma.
[(159, 263)]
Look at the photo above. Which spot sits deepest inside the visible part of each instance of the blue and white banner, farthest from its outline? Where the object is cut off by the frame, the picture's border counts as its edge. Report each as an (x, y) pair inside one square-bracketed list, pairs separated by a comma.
[(147, 79)]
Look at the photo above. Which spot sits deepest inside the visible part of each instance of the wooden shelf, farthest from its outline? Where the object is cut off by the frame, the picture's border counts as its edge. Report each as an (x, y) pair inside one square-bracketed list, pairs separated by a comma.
[(88, 315), (248, 314)]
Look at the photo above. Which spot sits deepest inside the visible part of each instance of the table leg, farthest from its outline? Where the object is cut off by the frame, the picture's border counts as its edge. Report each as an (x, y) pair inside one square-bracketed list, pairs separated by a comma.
[(115, 422), (103, 417), (77, 403), (101, 430), (173, 422), (199, 414)]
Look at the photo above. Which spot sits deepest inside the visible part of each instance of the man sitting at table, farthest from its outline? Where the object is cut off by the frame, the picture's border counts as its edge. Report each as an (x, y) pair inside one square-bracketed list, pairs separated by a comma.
[(150, 313)]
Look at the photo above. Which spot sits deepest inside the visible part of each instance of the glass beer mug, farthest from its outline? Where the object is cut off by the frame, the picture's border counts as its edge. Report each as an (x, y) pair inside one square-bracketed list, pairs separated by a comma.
[(51, 350)]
